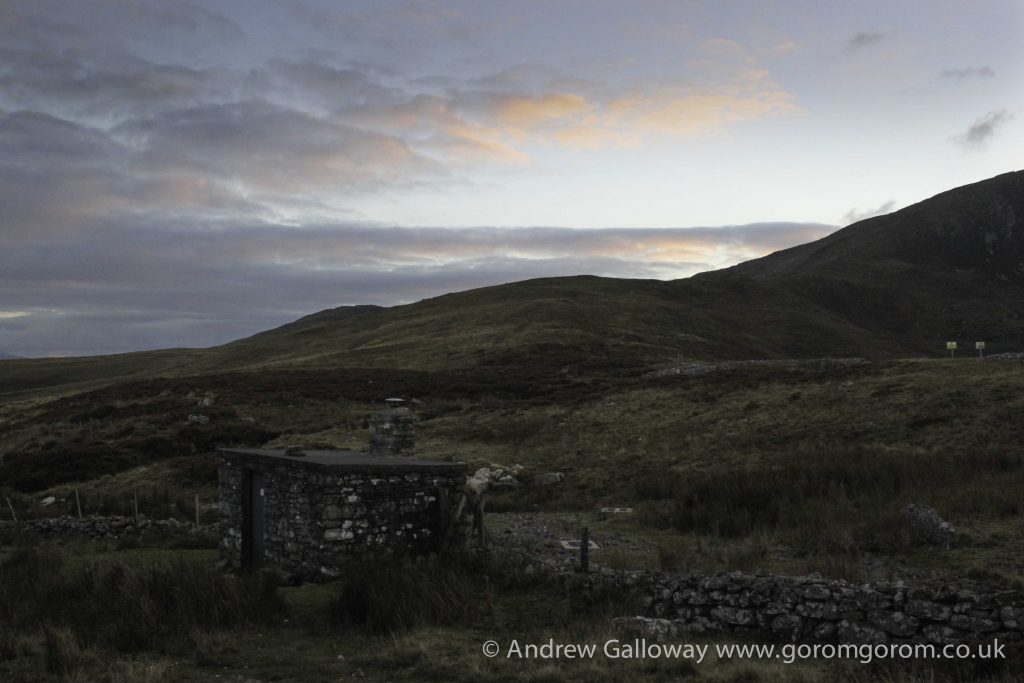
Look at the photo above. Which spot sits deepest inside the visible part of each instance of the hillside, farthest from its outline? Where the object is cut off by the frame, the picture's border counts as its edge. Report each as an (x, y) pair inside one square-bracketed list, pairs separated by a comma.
[(950, 267)]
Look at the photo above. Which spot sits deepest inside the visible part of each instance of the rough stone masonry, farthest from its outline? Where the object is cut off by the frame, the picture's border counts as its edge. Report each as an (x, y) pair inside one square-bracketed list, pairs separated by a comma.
[(812, 608), (326, 508), (308, 513)]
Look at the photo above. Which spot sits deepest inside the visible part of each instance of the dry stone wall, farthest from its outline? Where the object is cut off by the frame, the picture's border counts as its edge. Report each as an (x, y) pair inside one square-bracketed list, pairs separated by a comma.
[(105, 527), (812, 608)]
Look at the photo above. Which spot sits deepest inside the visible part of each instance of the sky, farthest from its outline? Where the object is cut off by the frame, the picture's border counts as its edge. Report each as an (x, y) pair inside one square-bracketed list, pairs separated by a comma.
[(178, 173)]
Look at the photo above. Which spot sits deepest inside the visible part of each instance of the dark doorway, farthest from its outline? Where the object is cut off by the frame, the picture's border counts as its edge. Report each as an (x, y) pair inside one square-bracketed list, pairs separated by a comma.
[(252, 532)]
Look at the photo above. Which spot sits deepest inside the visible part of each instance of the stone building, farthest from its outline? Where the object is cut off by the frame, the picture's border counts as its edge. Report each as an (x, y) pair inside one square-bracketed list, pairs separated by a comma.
[(310, 512)]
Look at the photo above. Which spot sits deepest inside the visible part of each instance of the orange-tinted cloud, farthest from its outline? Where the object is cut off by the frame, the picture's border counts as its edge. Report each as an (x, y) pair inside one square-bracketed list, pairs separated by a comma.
[(474, 144), (524, 113), (628, 117)]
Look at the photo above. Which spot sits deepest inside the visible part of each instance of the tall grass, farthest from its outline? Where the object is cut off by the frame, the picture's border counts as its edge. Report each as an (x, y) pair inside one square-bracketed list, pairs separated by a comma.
[(128, 607), (398, 595), (401, 595), (847, 498)]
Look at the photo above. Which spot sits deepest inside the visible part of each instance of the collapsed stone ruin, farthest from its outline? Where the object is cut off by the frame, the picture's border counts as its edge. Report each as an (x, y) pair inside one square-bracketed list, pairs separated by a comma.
[(310, 512)]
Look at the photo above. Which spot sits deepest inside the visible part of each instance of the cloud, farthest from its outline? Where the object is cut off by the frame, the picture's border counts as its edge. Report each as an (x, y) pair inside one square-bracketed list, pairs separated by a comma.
[(525, 113), (324, 87), (466, 143), (865, 39), (854, 214), (314, 128), (59, 177), (173, 284), (785, 47), (685, 111), (111, 29), (983, 129), (157, 183), (270, 148), (498, 124), (968, 73)]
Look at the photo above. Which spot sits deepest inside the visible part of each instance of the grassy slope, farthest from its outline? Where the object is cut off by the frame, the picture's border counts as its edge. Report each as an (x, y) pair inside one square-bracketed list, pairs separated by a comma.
[(947, 433), (594, 321), (26, 378)]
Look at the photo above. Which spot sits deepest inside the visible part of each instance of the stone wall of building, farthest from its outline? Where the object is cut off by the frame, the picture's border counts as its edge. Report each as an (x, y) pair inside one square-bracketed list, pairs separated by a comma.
[(231, 497), (318, 519), (811, 608), (366, 514)]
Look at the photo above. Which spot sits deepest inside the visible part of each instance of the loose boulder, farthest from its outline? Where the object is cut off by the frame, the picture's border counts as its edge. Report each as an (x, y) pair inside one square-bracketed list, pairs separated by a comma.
[(493, 477), (927, 527)]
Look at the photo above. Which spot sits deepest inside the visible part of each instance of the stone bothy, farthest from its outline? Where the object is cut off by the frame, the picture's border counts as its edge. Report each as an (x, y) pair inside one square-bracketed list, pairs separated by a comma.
[(310, 512)]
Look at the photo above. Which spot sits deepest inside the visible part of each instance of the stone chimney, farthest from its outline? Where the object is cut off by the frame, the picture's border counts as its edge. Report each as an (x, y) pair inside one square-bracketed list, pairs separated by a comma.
[(393, 430)]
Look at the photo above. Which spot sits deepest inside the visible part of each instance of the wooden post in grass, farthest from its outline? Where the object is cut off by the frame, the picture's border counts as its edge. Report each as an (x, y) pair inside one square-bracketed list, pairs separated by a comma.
[(78, 504), (135, 504), (453, 524), (585, 550), (11, 508), (197, 510)]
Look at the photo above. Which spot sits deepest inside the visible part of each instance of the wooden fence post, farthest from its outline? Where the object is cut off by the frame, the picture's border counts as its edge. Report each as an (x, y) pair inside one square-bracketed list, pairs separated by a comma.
[(585, 550)]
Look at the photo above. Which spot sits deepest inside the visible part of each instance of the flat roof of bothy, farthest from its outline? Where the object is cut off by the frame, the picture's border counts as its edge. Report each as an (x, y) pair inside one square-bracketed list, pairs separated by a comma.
[(343, 461)]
